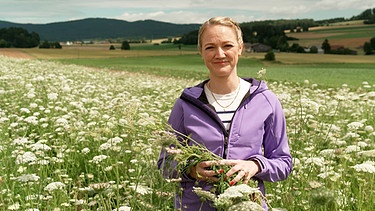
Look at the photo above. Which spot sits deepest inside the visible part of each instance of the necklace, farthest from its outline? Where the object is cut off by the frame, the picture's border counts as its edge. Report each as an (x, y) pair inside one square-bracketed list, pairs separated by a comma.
[(213, 95)]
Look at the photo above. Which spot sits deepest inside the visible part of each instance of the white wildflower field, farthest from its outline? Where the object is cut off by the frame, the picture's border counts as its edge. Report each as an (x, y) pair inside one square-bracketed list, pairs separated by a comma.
[(76, 138)]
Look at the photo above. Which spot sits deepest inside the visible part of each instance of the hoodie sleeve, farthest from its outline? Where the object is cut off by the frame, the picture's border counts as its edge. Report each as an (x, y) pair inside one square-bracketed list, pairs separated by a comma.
[(276, 163)]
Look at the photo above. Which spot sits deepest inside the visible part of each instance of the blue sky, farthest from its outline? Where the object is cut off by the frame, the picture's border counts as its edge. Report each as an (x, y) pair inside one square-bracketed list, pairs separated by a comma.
[(178, 11)]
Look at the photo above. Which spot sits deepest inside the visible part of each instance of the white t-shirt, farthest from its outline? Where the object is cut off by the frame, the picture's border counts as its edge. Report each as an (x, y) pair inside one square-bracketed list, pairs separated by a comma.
[(226, 104)]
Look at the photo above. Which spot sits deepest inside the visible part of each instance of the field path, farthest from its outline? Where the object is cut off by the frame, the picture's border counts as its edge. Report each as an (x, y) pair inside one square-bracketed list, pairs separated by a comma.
[(13, 52)]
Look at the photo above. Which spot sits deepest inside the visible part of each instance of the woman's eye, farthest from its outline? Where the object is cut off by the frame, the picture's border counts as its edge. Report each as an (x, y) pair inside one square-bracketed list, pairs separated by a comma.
[(209, 47)]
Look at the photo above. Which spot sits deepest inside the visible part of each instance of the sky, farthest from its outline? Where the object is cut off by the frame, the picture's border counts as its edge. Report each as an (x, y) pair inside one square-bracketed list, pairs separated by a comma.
[(177, 11)]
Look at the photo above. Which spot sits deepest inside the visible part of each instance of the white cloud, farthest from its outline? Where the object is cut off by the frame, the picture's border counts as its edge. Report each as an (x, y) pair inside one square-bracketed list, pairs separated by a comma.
[(188, 11)]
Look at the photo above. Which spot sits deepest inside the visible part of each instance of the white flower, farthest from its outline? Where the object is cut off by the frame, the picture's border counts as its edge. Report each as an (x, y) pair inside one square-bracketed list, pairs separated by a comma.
[(27, 157), (246, 205), (85, 150), (21, 141), (39, 146), (115, 140), (15, 206), (123, 208), (238, 191), (367, 166), (141, 189), (354, 125), (262, 72), (105, 146), (315, 160), (98, 159), (25, 110), (28, 178), (32, 120), (352, 148), (54, 186), (52, 96), (134, 161), (369, 128)]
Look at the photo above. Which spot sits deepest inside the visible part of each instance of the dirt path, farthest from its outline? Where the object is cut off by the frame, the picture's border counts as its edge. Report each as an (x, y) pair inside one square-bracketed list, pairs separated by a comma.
[(15, 53)]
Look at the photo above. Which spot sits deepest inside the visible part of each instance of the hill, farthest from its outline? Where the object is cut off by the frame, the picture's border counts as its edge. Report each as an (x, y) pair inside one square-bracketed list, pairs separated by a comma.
[(102, 28), (350, 34)]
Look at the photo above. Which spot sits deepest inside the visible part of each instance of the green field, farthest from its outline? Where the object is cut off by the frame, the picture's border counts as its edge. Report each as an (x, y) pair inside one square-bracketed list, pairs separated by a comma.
[(192, 66)]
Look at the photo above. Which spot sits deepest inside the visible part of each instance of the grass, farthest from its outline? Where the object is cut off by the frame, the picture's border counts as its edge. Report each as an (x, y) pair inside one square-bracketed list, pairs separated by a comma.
[(77, 138)]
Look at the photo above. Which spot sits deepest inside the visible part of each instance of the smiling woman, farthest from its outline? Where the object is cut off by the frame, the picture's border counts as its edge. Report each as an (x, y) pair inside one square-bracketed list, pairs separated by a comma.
[(238, 119)]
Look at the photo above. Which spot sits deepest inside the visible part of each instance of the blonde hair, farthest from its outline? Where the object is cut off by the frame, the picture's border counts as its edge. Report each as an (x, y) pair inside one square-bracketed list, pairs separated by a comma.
[(225, 21)]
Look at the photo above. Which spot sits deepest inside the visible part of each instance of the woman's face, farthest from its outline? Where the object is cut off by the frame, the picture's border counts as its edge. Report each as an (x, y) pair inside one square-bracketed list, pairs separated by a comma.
[(220, 50)]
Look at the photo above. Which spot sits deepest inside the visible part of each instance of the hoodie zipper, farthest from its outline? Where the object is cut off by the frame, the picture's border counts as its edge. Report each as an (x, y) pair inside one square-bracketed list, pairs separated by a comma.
[(210, 112)]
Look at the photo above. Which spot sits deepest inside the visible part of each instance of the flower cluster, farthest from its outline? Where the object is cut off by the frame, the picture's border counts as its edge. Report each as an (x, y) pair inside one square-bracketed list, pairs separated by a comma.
[(186, 152)]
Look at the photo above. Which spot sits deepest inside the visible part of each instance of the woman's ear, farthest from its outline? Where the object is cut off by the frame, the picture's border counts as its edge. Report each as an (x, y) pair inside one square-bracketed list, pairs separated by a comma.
[(241, 49)]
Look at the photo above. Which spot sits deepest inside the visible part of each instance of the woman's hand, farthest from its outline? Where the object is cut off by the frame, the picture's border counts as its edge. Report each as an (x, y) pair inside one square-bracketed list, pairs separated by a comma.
[(245, 169), (202, 171)]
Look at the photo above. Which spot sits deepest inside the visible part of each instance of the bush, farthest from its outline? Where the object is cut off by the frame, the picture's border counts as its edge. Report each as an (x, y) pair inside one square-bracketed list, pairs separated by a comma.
[(313, 49), (125, 45), (112, 47), (270, 56)]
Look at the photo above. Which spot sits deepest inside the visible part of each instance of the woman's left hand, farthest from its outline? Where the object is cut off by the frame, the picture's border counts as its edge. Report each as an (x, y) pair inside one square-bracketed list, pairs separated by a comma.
[(245, 169)]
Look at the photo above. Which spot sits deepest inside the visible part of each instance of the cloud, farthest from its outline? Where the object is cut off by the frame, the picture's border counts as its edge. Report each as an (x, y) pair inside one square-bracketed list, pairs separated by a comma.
[(188, 11)]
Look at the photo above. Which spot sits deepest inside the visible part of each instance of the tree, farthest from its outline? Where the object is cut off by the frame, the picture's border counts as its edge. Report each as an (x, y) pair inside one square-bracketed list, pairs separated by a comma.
[(125, 45), (112, 47), (326, 46), (313, 49), (47, 44), (18, 38), (270, 56), (372, 42), (367, 48)]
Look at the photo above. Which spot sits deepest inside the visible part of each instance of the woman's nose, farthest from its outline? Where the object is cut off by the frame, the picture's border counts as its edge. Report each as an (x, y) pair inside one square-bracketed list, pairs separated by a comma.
[(220, 52)]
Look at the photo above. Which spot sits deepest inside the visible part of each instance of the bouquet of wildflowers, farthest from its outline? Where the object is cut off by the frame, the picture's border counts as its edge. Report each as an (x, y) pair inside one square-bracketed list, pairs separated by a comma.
[(186, 152)]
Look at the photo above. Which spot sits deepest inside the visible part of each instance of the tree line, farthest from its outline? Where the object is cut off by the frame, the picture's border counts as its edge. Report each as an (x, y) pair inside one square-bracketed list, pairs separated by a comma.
[(15, 37), (272, 33)]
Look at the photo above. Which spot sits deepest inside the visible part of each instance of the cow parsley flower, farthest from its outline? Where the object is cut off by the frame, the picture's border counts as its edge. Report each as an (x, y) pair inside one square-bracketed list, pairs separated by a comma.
[(52, 96), (368, 166), (15, 206), (123, 208), (141, 189), (27, 157), (54, 186), (28, 178), (98, 159), (39, 146), (32, 120), (315, 160), (354, 126), (21, 141)]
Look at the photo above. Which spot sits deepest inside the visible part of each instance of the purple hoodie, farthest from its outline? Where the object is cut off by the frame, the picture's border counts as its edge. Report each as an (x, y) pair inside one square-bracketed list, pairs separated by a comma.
[(257, 132)]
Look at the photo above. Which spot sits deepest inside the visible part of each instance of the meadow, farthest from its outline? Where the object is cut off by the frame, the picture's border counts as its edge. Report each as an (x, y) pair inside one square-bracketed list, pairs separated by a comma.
[(79, 127), (85, 138)]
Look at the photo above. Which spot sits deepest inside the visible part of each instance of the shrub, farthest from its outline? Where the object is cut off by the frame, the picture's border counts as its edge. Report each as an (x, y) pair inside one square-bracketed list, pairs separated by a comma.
[(270, 56)]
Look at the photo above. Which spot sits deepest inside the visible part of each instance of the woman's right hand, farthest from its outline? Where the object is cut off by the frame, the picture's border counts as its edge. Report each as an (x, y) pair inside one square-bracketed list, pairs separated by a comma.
[(202, 172)]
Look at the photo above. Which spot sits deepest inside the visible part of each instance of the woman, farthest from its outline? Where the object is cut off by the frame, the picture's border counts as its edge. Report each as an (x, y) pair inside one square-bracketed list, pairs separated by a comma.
[(236, 118)]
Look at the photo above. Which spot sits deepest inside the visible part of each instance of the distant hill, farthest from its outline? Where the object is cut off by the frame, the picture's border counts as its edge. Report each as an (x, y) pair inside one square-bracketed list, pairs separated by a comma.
[(102, 28)]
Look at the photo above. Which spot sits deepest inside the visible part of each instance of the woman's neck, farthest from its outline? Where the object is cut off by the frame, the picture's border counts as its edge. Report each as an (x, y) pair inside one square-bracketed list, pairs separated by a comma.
[(223, 85)]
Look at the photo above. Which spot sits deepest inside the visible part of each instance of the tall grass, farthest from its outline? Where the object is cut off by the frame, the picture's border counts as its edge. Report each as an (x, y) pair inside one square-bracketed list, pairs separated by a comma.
[(78, 138)]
